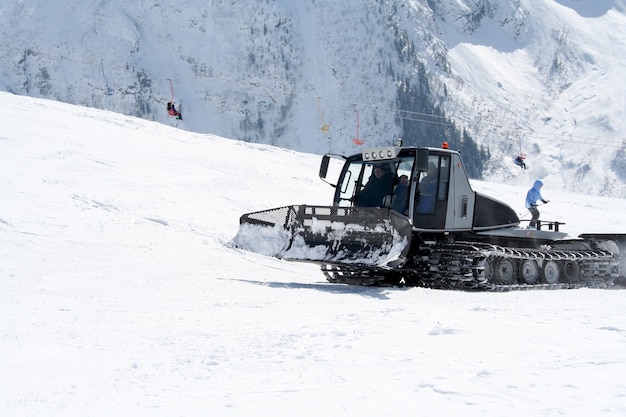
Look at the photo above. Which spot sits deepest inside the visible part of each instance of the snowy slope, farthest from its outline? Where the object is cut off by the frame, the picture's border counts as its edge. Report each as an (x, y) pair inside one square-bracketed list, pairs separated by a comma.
[(120, 294)]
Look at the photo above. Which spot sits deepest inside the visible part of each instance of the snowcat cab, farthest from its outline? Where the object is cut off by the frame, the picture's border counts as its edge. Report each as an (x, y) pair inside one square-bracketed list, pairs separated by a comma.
[(408, 216), (440, 198)]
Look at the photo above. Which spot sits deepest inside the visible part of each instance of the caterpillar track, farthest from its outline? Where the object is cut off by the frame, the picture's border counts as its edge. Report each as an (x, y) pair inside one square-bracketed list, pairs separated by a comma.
[(486, 267), (409, 217)]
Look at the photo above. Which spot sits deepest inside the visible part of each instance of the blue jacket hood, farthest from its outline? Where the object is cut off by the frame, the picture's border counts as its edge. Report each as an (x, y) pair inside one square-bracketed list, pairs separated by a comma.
[(534, 194)]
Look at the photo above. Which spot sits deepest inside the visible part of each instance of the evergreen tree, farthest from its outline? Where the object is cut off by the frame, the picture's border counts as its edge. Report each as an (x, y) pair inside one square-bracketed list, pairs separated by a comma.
[(425, 124)]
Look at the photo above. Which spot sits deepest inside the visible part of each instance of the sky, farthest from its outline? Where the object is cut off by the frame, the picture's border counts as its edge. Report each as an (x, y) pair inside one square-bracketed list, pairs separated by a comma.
[(121, 293)]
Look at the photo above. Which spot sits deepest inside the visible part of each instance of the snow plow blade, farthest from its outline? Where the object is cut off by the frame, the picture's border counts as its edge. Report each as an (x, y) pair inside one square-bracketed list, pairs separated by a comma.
[(327, 235)]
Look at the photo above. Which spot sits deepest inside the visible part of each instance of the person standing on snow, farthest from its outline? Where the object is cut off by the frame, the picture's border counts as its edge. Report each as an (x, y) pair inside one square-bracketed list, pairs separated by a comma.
[(532, 196)]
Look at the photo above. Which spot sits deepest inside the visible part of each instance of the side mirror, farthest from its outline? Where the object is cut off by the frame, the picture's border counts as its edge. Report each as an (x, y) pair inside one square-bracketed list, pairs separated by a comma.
[(422, 160), (324, 166)]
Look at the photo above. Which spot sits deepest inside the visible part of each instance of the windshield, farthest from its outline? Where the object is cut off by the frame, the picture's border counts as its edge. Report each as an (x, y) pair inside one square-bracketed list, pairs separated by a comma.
[(375, 184)]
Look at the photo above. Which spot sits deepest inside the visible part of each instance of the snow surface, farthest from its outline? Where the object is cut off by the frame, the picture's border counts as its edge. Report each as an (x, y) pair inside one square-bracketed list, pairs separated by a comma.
[(121, 296)]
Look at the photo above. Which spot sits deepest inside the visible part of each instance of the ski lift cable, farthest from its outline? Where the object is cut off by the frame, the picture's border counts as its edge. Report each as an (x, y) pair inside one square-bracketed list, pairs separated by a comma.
[(245, 88), (342, 105)]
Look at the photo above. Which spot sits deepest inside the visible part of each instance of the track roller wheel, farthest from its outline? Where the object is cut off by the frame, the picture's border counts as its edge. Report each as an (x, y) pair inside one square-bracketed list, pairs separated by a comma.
[(571, 271), (529, 272), (504, 271), (551, 272)]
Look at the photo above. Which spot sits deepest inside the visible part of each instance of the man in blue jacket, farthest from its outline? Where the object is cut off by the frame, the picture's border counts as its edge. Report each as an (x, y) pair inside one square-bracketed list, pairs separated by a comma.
[(532, 196)]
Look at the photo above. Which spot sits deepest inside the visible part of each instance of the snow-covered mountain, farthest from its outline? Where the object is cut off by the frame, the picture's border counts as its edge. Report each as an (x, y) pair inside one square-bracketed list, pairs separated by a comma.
[(537, 76)]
